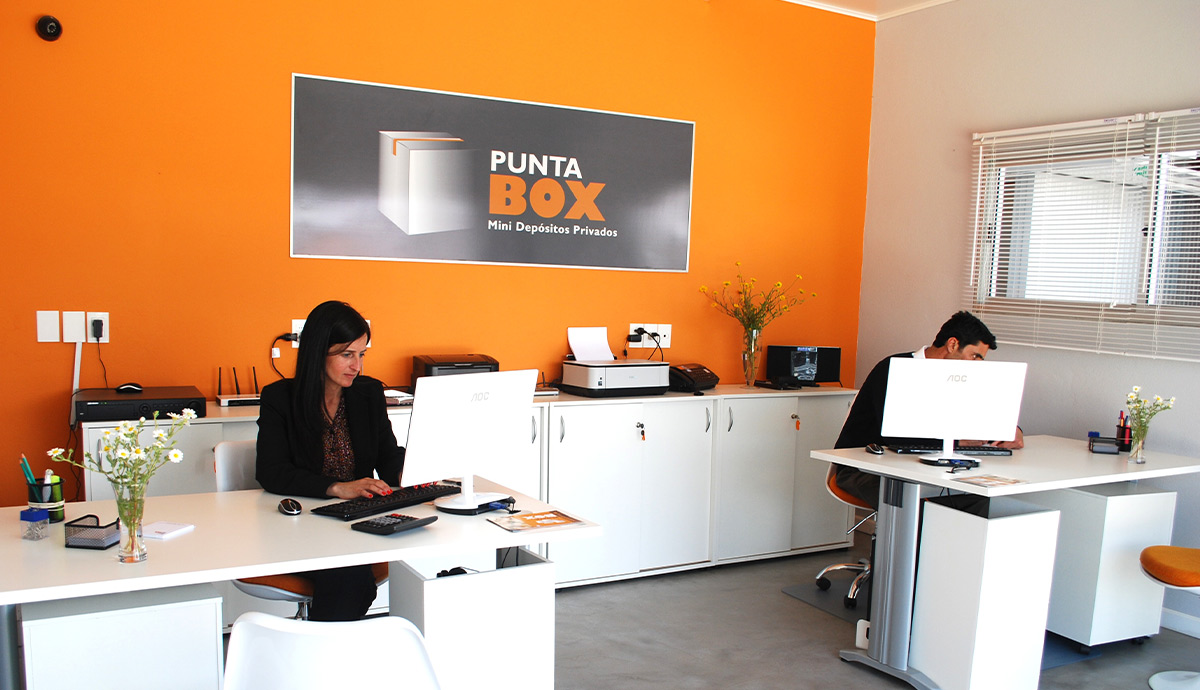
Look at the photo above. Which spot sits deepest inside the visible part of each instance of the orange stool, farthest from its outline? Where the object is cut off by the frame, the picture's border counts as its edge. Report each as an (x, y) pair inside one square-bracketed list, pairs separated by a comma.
[(1176, 567)]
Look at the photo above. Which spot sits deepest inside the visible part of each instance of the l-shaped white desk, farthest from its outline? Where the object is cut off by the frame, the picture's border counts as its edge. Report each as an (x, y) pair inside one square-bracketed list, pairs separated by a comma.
[(1045, 464), (238, 534)]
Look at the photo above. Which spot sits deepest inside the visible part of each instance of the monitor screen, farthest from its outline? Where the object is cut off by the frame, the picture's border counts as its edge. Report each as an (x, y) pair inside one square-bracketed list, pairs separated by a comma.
[(460, 424), (953, 399)]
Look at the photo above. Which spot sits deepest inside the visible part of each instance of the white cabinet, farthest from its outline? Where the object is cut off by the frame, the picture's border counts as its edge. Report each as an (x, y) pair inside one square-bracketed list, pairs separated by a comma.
[(158, 638), (641, 470), (594, 472), (677, 480), (756, 476), (818, 518), (770, 494), (982, 587), (1100, 594), (193, 475)]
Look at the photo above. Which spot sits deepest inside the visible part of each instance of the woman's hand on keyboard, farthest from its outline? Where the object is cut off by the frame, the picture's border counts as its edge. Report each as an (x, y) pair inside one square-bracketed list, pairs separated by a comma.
[(364, 488)]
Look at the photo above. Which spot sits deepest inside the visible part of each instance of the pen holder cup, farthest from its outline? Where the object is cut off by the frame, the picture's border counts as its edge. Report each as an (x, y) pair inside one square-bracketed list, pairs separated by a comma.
[(48, 497), (1124, 437)]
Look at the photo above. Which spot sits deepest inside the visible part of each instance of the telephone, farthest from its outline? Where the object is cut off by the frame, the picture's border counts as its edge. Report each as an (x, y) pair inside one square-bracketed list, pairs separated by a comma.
[(690, 378)]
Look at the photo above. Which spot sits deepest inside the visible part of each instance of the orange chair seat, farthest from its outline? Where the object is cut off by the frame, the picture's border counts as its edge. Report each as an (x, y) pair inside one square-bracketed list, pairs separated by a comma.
[(831, 482), (1178, 566), (302, 585)]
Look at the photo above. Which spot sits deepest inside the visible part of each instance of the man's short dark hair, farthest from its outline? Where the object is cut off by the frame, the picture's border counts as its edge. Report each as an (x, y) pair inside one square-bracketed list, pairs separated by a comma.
[(968, 329)]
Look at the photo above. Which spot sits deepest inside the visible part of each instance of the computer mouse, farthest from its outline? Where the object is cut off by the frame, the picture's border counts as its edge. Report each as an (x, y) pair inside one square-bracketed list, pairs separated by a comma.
[(290, 506), (875, 449), (129, 388)]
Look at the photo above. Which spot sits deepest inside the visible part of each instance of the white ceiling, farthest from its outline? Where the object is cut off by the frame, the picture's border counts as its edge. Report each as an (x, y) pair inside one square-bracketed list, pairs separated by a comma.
[(875, 10)]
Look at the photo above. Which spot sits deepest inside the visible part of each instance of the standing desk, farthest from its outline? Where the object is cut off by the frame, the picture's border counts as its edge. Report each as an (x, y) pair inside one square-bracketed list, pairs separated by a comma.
[(238, 534), (1045, 464)]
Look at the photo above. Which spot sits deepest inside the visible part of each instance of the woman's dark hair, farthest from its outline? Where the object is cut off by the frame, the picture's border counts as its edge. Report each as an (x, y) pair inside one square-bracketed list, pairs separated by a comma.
[(968, 329), (329, 324)]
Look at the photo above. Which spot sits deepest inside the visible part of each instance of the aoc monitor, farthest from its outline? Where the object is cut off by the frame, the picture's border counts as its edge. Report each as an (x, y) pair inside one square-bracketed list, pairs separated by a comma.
[(463, 423), (953, 399)]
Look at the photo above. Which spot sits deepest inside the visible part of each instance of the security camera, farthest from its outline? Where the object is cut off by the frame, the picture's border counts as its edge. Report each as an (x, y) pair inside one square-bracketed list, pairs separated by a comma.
[(49, 28)]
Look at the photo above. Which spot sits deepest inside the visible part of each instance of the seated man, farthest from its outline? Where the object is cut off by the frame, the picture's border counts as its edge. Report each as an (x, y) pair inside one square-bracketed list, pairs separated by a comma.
[(963, 336)]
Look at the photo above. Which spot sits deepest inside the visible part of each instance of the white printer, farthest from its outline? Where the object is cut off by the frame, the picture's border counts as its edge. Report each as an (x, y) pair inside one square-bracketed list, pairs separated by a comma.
[(603, 378)]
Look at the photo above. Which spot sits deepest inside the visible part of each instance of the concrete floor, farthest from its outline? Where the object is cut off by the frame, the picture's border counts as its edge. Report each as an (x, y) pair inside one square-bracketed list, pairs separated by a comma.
[(731, 628)]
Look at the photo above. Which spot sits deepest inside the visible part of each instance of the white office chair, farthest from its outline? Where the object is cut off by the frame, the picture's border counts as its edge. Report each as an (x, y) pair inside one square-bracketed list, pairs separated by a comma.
[(1176, 567), (235, 471), (270, 652)]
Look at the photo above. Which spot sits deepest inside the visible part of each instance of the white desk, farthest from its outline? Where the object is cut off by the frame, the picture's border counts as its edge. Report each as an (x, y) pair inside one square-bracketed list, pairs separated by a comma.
[(1046, 463), (238, 534)]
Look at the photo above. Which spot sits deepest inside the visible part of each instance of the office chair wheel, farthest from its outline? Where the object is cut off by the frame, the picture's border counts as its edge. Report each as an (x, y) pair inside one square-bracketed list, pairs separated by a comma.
[(850, 603), (823, 583)]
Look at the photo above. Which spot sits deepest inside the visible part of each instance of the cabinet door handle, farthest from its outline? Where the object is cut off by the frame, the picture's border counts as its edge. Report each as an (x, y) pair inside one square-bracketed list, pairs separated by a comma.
[(562, 428), (707, 419), (730, 427), (797, 418), (533, 428)]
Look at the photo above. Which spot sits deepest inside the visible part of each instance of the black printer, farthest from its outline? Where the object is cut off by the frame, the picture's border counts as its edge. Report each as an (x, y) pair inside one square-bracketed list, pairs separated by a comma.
[(440, 365)]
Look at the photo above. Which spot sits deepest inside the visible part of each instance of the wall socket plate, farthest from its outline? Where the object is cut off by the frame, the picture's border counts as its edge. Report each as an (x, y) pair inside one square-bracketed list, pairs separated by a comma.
[(297, 327), (664, 335), (101, 316), (662, 329)]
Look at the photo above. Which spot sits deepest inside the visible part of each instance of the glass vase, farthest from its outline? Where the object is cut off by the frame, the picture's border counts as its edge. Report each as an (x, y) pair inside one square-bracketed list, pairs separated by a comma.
[(751, 348), (131, 502), (1137, 443)]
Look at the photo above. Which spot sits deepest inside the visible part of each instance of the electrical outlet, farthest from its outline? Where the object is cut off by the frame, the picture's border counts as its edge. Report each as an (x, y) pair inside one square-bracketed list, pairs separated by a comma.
[(632, 331), (297, 327), (102, 317), (664, 335), (647, 341)]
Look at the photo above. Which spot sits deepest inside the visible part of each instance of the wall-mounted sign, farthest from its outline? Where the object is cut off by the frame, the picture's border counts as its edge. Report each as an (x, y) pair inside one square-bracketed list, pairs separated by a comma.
[(387, 172)]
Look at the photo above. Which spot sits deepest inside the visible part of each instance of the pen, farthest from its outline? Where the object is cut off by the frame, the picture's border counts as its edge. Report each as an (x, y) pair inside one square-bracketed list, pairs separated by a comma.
[(28, 472), (46, 489)]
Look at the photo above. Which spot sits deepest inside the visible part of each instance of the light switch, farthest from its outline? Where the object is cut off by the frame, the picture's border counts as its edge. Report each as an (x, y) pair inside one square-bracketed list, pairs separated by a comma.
[(48, 327), (73, 328)]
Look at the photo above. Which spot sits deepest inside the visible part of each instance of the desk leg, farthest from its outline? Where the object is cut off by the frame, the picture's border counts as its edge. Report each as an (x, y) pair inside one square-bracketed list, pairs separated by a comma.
[(893, 576), (10, 664)]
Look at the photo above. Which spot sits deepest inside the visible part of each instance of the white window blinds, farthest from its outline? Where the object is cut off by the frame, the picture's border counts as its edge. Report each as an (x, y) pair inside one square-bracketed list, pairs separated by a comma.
[(1087, 235)]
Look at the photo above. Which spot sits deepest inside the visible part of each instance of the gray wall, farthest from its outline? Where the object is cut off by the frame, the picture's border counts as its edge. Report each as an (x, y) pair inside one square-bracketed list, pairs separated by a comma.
[(986, 65)]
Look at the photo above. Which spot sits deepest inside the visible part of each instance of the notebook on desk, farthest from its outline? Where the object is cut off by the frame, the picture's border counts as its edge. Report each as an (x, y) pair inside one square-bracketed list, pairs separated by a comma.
[(959, 447)]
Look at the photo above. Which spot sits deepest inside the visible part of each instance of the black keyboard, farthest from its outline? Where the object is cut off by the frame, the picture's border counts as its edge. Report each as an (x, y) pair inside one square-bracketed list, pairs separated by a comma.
[(921, 449), (399, 498)]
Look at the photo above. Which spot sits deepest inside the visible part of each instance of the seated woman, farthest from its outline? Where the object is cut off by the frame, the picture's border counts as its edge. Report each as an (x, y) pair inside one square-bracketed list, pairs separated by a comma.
[(324, 433)]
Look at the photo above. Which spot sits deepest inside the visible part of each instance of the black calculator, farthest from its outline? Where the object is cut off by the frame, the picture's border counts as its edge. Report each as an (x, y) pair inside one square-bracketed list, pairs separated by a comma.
[(390, 524)]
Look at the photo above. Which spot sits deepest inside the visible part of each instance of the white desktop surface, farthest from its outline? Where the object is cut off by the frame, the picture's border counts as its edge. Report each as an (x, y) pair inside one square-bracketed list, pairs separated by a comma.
[(1045, 463), (240, 534)]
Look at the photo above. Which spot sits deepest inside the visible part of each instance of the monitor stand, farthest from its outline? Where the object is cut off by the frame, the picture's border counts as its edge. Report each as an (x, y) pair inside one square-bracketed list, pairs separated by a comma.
[(467, 502), (949, 454)]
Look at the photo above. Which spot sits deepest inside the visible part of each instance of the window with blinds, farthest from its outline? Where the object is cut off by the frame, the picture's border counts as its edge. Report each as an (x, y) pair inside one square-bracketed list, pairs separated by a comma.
[(1086, 236)]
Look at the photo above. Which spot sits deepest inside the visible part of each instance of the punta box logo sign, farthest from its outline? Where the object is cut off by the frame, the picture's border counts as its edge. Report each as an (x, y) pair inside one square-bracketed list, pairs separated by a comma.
[(493, 181)]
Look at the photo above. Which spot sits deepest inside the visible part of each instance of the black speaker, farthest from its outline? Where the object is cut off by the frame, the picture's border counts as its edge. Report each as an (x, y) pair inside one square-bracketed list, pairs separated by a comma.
[(793, 366)]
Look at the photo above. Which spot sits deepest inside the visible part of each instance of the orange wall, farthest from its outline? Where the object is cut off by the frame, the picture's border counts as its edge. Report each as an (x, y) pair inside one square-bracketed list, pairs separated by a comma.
[(144, 171)]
